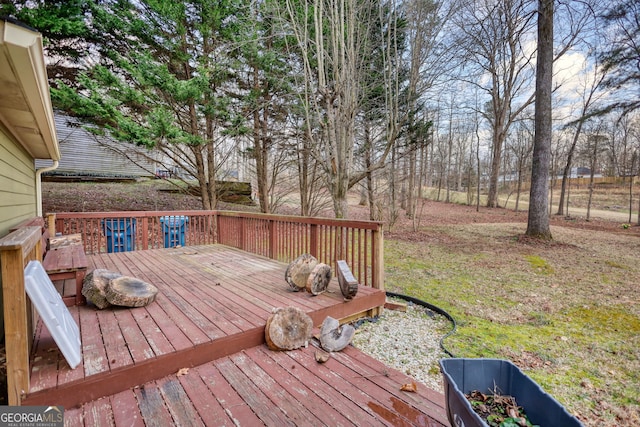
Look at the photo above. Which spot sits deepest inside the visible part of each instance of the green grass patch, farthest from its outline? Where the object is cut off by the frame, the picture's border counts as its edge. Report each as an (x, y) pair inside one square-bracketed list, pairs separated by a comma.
[(539, 265), (568, 331)]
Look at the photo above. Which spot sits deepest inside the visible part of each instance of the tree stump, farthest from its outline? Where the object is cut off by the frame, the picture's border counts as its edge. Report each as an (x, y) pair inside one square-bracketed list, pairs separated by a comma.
[(318, 280), (298, 271), (288, 329), (334, 337), (95, 284), (348, 283), (130, 292)]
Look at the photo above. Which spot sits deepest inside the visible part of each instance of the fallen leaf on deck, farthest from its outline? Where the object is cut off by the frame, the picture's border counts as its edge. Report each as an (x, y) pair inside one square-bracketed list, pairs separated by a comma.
[(182, 371), (413, 387), (322, 356)]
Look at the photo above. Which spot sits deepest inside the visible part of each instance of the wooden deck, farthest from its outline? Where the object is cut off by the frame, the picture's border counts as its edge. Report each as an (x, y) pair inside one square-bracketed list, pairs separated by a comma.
[(209, 317)]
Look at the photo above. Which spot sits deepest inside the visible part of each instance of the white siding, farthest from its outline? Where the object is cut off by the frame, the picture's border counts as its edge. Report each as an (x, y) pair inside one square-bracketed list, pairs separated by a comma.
[(83, 154)]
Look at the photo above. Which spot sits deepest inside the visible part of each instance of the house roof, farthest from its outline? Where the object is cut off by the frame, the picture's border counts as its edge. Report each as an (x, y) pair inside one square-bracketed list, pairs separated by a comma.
[(25, 105)]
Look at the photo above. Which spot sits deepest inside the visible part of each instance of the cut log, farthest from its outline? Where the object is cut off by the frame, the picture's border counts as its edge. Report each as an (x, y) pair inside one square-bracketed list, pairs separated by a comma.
[(288, 329), (95, 284), (130, 292), (348, 283), (298, 271), (334, 337), (318, 280)]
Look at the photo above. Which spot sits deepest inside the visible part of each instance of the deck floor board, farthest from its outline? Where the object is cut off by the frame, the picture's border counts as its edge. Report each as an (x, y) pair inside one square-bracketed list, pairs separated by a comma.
[(196, 355)]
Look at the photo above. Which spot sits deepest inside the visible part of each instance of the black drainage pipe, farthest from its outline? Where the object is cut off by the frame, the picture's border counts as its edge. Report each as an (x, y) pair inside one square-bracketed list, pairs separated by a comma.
[(432, 308)]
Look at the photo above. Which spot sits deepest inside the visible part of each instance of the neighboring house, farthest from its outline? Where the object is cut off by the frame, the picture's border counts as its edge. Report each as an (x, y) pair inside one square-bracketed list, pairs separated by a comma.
[(27, 130), (85, 154)]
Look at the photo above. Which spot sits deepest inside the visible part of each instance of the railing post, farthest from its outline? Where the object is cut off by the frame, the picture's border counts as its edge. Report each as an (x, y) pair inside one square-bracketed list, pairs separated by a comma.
[(15, 324), (377, 264), (313, 240), (377, 259), (213, 223), (15, 249), (51, 224), (145, 233)]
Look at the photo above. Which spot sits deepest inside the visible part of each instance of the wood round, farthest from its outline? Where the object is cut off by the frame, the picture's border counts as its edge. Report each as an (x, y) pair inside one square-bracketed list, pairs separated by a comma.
[(288, 329), (318, 280), (298, 271), (130, 292)]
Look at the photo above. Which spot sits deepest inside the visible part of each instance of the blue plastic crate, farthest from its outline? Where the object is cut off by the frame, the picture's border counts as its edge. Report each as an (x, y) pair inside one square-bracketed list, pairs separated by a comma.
[(173, 228), (120, 233)]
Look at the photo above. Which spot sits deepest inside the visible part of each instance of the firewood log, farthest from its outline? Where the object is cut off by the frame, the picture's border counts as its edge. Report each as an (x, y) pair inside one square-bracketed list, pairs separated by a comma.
[(130, 292), (348, 283), (95, 284), (318, 280), (298, 271), (288, 329)]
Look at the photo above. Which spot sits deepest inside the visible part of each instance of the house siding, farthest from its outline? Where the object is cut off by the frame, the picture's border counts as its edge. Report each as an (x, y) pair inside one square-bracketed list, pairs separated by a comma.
[(83, 154), (17, 192), (17, 182)]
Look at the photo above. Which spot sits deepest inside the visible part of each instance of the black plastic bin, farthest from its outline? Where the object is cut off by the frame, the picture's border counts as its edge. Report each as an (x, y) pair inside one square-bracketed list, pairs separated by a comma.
[(462, 376), (173, 227), (120, 233)]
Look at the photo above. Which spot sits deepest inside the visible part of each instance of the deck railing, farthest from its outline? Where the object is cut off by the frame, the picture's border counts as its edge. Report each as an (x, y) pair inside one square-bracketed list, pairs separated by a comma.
[(16, 250), (278, 237)]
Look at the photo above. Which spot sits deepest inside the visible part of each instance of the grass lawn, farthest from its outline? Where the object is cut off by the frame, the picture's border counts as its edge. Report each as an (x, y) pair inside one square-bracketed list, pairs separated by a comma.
[(566, 312)]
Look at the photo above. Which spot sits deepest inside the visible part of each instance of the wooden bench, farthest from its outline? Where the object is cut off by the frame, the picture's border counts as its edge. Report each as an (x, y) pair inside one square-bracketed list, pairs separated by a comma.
[(63, 258)]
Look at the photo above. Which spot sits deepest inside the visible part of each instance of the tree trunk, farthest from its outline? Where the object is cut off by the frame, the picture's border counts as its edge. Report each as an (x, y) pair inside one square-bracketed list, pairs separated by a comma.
[(638, 207), (496, 158), (594, 156), (518, 189), (411, 184), (633, 166), (304, 185), (261, 158), (567, 169), (538, 221)]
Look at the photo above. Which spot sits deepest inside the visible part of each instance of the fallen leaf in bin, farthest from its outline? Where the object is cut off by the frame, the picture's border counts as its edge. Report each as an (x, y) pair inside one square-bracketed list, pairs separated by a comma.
[(513, 413), (413, 387), (182, 371)]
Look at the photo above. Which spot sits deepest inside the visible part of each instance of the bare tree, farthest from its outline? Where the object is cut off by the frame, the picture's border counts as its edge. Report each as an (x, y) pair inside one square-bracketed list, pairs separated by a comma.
[(589, 97), (538, 219), (331, 36), (493, 36), (341, 45), (521, 147), (593, 150)]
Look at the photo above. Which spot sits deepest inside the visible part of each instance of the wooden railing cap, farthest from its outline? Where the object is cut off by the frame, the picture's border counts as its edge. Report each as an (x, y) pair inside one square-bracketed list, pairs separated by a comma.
[(24, 238)]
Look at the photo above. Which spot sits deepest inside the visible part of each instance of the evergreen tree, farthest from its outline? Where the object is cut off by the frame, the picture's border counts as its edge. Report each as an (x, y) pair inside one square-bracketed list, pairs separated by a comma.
[(164, 78), (621, 59), (64, 28)]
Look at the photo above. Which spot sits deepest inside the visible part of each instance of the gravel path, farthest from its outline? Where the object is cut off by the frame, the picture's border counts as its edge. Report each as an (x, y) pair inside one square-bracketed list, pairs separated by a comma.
[(408, 341)]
